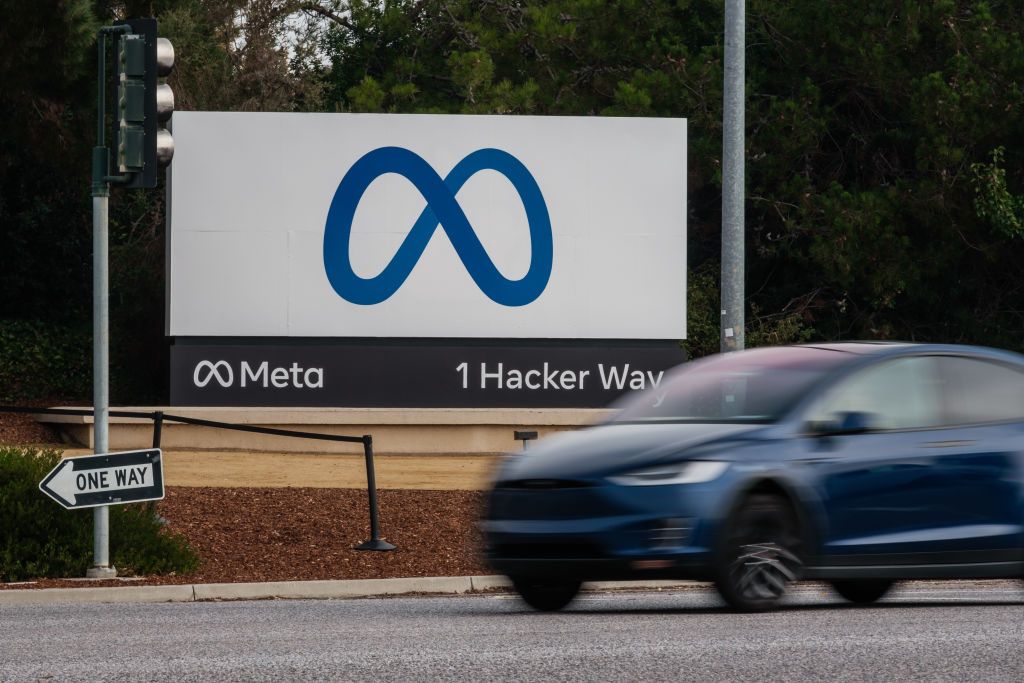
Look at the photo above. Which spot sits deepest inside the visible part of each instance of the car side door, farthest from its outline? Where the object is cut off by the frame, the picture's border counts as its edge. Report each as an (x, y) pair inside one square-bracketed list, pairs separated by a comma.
[(979, 460), (877, 482)]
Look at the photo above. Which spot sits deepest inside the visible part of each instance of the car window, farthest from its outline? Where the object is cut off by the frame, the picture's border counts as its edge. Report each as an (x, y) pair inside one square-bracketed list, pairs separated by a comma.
[(758, 385), (977, 391), (896, 394)]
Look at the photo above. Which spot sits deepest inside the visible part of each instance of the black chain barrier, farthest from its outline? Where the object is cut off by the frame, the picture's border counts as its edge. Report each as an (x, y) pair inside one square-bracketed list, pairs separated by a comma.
[(159, 417)]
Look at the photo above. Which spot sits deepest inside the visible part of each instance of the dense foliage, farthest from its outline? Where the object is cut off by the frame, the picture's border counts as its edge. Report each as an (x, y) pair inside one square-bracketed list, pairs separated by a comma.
[(885, 176), (37, 355), (40, 539)]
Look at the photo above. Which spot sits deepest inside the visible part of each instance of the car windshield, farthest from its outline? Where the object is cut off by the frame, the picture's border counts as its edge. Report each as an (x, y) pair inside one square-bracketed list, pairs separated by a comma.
[(750, 386)]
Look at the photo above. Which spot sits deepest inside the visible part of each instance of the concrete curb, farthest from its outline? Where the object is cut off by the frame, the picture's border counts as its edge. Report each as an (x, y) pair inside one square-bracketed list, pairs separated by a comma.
[(51, 596), (315, 590)]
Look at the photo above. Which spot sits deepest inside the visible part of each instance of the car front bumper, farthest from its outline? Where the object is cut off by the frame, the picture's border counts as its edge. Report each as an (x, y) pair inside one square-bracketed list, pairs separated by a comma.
[(601, 532)]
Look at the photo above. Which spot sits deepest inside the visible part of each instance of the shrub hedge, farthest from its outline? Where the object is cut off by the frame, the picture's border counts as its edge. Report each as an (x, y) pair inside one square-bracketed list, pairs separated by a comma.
[(40, 539), (41, 360)]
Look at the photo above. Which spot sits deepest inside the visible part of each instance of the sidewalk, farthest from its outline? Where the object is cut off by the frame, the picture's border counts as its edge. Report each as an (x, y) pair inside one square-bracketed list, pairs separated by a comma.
[(316, 590)]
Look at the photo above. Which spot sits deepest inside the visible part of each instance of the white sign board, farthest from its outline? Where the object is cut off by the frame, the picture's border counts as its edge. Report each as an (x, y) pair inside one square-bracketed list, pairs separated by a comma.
[(376, 225)]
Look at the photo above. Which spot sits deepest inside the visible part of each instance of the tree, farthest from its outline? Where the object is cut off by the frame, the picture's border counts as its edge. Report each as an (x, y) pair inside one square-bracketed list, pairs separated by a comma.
[(879, 204), (885, 174)]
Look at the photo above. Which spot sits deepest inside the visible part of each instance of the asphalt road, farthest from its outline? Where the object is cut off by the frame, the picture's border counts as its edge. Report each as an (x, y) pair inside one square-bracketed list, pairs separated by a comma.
[(926, 631)]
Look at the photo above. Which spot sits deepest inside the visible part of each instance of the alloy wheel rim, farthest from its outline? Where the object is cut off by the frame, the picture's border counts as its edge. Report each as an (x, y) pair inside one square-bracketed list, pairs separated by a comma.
[(762, 571)]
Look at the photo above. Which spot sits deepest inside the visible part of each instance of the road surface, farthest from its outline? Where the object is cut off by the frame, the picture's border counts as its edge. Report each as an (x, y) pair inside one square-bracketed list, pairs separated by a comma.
[(925, 631)]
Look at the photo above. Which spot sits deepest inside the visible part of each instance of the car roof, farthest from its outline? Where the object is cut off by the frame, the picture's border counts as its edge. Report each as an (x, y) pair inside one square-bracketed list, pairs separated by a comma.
[(863, 347), (897, 348)]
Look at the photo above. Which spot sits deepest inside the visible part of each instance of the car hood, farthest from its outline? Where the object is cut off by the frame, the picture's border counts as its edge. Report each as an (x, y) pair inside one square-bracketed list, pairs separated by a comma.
[(613, 447)]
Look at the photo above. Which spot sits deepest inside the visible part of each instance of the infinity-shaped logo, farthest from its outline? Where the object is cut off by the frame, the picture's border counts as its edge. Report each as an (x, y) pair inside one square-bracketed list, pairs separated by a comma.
[(220, 371), (442, 210)]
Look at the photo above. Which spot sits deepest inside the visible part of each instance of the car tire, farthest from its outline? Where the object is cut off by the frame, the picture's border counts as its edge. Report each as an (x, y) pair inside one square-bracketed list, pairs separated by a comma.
[(759, 554), (863, 591), (546, 595)]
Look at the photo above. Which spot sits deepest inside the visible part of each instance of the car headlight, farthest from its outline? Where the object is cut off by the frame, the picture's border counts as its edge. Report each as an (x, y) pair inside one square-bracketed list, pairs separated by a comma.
[(691, 472)]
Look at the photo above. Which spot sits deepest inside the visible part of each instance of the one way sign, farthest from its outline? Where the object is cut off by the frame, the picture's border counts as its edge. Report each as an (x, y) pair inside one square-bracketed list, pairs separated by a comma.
[(107, 479)]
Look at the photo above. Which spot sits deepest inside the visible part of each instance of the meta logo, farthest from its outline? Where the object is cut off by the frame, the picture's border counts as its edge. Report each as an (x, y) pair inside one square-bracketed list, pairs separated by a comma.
[(206, 372), (442, 210), (262, 375)]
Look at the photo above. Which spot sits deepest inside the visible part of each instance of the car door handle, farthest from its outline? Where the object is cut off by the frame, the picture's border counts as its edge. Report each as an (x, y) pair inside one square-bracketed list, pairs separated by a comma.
[(815, 460), (953, 443)]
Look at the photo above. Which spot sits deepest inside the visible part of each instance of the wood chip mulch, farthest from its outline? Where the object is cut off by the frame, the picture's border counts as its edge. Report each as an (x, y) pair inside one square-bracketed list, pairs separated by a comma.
[(303, 534), (18, 428)]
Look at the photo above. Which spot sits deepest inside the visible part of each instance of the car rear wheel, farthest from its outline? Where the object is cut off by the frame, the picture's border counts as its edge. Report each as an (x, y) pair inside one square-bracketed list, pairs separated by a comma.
[(760, 554), (862, 592), (546, 595)]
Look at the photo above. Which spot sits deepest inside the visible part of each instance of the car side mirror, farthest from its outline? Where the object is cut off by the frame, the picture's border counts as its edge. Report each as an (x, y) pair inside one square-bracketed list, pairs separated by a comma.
[(848, 422)]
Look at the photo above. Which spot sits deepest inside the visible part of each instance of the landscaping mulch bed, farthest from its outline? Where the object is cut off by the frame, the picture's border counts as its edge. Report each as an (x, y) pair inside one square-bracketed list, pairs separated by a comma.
[(303, 534), (18, 428), (298, 534)]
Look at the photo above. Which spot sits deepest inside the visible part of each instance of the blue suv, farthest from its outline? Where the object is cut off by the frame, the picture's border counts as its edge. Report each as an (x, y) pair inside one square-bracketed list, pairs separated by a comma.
[(859, 464)]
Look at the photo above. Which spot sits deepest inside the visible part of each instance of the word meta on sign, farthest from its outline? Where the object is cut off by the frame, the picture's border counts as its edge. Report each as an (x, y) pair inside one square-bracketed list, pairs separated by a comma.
[(106, 479), (442, 210), (257, 375)]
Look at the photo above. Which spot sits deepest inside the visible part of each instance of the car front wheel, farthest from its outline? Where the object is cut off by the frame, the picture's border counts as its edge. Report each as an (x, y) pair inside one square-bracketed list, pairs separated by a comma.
[(546, 595), (863, 591), (759, 554)]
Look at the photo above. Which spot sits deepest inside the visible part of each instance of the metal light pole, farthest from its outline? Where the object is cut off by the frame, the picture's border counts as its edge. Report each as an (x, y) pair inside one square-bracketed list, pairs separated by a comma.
[(733, 155), (143, 146), (101, 567)]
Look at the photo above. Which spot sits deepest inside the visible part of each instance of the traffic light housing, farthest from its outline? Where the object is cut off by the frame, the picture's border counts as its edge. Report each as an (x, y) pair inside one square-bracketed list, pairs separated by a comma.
[(143, 104)]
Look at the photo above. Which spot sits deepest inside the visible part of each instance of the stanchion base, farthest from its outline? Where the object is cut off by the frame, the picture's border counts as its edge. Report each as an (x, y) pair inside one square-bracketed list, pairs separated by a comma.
[(375, 545), (101, 573)]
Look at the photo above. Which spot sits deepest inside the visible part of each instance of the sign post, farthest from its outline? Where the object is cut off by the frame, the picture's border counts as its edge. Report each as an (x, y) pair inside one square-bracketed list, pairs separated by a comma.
[(106, 479), (142, 146), (101, 179)]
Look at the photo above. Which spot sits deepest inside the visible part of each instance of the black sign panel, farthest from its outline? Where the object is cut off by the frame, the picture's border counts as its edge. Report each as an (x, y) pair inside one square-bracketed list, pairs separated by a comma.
[(106, 479), (411, 376)]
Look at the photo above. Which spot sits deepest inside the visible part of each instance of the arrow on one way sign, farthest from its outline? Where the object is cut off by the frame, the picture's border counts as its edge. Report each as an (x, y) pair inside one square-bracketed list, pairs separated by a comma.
[(106, 479)]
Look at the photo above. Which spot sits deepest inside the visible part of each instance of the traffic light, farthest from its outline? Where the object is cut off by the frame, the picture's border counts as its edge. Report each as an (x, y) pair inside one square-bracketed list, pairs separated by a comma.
[(143, 105)]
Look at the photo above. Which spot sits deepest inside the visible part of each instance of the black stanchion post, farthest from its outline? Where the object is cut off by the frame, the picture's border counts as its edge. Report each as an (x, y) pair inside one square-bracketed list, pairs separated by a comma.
[(375, 542), (158, 428)]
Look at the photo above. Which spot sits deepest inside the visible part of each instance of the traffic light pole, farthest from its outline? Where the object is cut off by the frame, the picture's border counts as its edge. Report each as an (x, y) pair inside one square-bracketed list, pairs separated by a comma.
[(142, 146), (101, 567)]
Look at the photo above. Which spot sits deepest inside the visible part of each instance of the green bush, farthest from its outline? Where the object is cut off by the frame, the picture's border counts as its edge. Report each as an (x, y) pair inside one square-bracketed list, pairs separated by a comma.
[(40, 539), (40, 360), (43, 361)]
